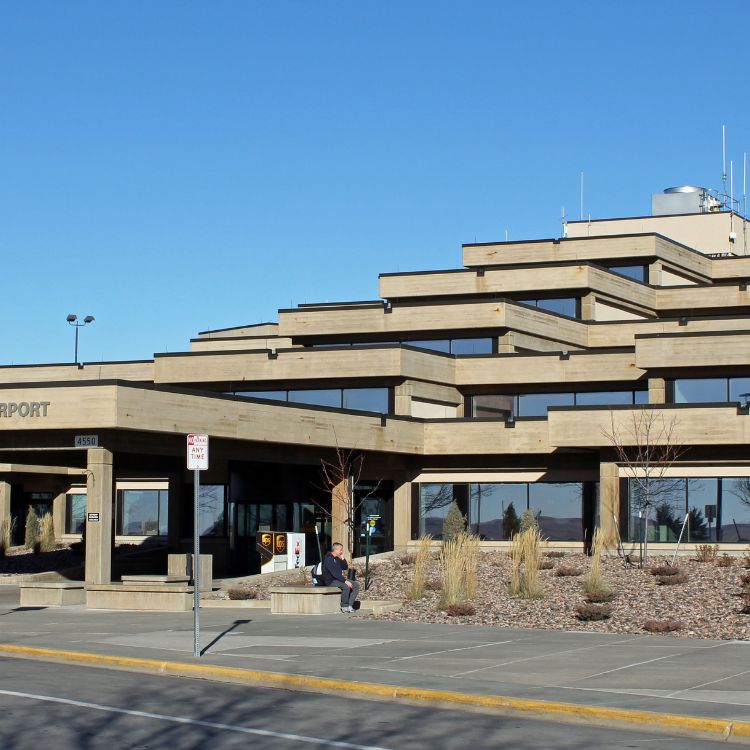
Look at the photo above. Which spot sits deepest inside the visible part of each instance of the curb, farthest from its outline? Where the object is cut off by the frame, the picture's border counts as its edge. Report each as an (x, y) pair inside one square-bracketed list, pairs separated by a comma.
[(717, 729)]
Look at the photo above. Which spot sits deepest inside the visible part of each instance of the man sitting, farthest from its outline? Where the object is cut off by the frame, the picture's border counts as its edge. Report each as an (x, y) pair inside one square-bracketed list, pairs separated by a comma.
[(334, 566)]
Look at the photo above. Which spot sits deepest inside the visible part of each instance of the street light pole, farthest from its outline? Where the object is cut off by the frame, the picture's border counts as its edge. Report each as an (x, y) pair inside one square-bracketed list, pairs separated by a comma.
[(72, 320)]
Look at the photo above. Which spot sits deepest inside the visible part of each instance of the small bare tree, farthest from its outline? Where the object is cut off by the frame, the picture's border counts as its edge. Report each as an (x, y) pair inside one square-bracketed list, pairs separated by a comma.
[(647, 447), (339, 478)]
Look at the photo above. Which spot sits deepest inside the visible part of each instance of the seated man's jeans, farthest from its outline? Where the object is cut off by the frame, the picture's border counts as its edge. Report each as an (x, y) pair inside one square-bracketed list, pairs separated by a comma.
[(348, 595)]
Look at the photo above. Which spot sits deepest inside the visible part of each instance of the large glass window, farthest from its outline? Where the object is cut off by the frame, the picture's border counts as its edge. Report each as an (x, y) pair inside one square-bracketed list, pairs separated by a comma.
[(471, 346), (558, 508), (362, 399), (317, 397), (366, 399), (733, 521), (606, 398), (700, 390), (75, 513), (493, 405), (536, 404), (637, 273), (567, 306), (142, 512), (212, 510), (494, 509), (437, 345)]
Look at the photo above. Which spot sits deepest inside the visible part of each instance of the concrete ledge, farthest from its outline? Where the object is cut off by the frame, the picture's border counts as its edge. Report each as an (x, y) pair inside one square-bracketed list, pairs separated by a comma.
[(52, 594), (305, 600), (715, 729), (153, 597), (168, 579), (235, 604)]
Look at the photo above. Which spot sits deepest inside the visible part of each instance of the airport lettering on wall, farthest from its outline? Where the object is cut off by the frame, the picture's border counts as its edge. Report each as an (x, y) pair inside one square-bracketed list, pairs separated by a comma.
[(24, 409)]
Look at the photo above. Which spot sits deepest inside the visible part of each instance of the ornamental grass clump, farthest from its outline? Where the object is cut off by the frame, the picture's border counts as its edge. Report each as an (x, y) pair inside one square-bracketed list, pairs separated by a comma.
[(594, 581), (526, 554), (47, 533), (458, 566), (454, 524), (725, 561), (6, 530), (242, 593), (422, 559)]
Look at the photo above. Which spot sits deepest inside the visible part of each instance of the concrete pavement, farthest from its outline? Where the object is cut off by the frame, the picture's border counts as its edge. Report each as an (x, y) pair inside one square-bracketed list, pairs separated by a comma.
[(629, 672)]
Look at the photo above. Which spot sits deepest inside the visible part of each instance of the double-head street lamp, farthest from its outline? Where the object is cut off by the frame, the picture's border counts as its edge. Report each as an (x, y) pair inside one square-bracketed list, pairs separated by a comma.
[(73, 320)]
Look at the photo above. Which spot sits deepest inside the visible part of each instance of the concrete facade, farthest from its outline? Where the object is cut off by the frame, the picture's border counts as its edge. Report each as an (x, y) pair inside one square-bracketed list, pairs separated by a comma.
[(491, 386)]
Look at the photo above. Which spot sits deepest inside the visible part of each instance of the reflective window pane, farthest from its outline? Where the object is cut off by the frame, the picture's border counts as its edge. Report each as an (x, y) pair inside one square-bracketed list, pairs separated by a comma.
[(700, 390), (273, 395), (434, 502), (211, 515), (734, 511), (565, 306), (471, 346), (494, 405), (437, 345), (366, 399), (637, 273), (75, 514), (739, 389), (317, 397), (139, 512), (496, 509), (702, 506), (558, 508), (605, 398), (662, 502), (640, 397), (536, 404)]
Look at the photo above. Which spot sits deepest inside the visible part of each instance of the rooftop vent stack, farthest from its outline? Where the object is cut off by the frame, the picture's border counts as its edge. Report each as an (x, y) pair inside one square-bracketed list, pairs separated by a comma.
[(685, 199)]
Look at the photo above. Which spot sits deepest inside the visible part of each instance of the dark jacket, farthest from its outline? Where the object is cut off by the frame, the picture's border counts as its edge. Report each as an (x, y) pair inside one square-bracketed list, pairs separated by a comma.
[(333, 569)]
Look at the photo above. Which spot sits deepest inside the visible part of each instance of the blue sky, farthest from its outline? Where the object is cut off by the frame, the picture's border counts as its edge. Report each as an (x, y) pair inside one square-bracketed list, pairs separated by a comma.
[(173, 166)]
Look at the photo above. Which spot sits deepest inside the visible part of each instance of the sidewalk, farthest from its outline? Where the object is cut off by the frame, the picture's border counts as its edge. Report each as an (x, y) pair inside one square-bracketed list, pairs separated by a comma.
[(662, 674)]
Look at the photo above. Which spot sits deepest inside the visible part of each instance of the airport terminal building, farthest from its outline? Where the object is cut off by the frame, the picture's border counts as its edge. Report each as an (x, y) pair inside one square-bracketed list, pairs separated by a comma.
[(493, 386)]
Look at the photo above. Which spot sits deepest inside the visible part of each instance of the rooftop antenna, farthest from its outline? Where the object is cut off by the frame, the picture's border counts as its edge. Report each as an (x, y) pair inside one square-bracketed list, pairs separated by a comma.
[(744, 203), (564, 223), (724, 162), (581, 196), (506, 235), (731, 197)]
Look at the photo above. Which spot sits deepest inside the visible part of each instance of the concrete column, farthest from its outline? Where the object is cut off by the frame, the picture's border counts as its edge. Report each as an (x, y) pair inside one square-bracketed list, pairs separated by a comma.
[(401, 515), (657, 391), (609, 499), (99, 499), (340, 532), (174, 517), (4, 501), (58, 514), (402, 399), (654, 273), (588, 307), (505, 343)]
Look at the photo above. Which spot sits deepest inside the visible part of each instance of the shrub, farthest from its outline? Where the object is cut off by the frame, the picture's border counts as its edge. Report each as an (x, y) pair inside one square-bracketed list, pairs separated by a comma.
[(745, 579), (525, 552), (31, 534), (458, 564), (746, 603), (238, 594), (706, 552), (47, 533), (662, 626), (421, 560), (671, 580), (567, 570), (6, 532), (725, 561), (600, 597), (546, 565), (555, 553), (664, 570), (460, 609), (528, 520), (594, 581), (745, 562), (408, 559), (454, 524), (434, 584), (591, 612)]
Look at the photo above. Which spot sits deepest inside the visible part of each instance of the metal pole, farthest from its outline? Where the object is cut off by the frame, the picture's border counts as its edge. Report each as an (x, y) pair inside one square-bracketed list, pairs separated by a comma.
[(76, 350), (196, 567), (367, 556), (679, 541)]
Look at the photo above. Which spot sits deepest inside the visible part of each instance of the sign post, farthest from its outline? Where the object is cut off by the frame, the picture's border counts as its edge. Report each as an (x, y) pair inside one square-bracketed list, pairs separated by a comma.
[(197, 461)]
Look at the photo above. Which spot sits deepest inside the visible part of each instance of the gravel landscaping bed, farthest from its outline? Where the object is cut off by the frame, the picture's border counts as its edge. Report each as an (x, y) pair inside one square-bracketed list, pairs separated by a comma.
[(708, 603), (19, 561)]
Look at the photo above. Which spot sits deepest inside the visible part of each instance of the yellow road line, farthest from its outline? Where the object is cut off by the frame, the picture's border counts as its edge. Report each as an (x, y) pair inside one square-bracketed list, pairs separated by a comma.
[(737, 731)]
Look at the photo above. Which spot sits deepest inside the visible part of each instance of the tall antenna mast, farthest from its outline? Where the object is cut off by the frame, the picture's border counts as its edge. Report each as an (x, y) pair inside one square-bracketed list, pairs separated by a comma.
[(744, 203), (724, 162), (731, 197), (564, 223), (581, 196)]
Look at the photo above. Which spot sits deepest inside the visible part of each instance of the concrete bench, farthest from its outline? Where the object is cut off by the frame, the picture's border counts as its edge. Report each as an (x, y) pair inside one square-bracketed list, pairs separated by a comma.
[(159, 597), (182, 565), (305, 600), (52, 593), (151, 580)]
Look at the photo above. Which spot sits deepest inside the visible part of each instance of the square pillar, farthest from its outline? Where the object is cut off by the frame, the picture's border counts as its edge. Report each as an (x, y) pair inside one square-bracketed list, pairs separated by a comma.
[(402, 399), (654, 273), (401, 516), (177, 497), (609, 500), (4, 501), (99, 499), (588, 307), (657, 391), (58, 513)]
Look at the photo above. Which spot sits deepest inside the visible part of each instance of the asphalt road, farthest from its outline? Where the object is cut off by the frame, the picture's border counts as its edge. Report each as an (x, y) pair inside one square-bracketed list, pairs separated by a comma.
[(79, 708)]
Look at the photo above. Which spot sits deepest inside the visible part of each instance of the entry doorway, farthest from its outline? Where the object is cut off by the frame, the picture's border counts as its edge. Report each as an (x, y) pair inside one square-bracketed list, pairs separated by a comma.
[(373, 509)]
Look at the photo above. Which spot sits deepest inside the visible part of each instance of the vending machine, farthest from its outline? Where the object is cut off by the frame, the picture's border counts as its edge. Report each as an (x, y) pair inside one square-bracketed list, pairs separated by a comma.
[(280, 550)]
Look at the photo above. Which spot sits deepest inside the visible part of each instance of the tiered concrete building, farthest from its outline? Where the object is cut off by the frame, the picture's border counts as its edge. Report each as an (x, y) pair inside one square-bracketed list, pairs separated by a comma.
[(492, 385)]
